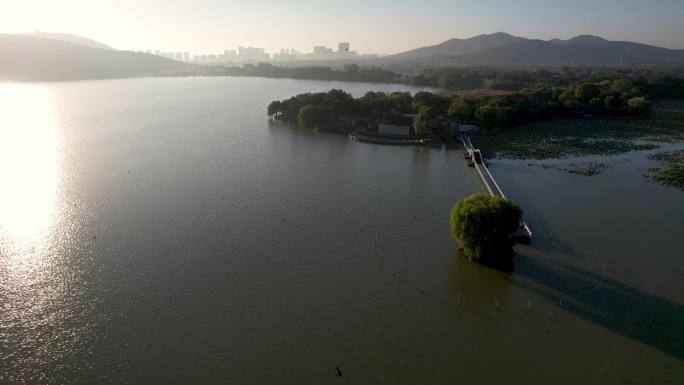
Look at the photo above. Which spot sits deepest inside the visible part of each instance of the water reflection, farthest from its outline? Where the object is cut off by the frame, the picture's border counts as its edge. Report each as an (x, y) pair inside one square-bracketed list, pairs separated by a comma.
[(36, 285), (28, 164)]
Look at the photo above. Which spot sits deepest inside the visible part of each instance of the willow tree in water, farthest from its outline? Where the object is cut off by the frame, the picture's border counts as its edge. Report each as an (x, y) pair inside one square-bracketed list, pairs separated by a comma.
[(484, 226)]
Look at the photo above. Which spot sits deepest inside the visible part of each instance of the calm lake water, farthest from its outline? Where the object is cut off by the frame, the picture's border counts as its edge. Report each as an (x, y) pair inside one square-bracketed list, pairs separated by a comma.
[(161, 231)]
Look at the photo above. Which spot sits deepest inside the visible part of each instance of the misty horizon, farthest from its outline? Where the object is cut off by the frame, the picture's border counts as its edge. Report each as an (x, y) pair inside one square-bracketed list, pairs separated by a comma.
[(212, 26), (309, 53)]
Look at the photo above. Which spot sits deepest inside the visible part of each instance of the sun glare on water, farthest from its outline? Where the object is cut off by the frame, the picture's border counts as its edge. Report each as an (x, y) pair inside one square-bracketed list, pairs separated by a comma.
[(28, 163), (41, 293)]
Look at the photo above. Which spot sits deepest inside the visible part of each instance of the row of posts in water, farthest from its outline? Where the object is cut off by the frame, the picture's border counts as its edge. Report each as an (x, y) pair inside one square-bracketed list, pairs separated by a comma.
[(497, 304)]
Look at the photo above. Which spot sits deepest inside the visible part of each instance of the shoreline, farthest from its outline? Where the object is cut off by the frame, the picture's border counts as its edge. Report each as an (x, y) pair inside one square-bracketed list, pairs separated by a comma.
[(368, 137)]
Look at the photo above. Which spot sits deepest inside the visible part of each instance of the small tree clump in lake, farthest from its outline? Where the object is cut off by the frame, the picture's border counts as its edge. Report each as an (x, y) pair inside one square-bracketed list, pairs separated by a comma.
[(484, 226)]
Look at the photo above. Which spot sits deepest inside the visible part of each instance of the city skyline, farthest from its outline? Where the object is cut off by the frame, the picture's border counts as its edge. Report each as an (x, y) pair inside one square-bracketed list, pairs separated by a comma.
[(257, 54), (379, 28)]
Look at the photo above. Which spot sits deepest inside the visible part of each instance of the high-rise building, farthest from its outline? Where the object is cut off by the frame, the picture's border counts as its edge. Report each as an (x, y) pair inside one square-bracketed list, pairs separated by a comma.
[(230, 55), (287, 55), (322, 50), (343, 47), (253, 54)]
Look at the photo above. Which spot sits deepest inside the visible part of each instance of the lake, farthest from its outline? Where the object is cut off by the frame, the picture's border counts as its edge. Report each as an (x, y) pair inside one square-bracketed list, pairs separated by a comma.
[(158, 231)]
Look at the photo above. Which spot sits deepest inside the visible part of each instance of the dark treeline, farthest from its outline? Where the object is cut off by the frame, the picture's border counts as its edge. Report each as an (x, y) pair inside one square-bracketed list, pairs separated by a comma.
[(454, 78), (611, 94), (464, 78), (350, 73)]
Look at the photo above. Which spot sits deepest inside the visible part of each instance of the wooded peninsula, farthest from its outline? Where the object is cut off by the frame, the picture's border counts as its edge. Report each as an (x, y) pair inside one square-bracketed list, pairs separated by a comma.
[(547, 95)]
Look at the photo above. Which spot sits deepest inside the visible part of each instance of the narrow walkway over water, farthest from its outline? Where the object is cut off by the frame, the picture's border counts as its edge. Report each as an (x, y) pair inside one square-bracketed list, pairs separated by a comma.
[(474, 157)]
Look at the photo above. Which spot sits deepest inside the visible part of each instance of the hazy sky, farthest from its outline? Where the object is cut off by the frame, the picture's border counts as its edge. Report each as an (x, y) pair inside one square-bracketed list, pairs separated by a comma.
[(372, 26)]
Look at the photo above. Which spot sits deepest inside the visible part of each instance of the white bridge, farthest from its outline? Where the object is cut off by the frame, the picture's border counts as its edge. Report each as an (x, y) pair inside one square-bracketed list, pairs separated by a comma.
[(474, 156)]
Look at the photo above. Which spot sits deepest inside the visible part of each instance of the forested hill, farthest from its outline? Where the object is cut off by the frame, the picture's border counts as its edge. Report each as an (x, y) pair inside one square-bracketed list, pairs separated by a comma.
[(70, 38), (501, 49), (28, 58)]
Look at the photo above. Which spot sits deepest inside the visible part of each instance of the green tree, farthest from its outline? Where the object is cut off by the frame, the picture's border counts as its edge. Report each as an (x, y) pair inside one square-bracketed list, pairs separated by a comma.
[(566, 96), (621, 85), (438, 103), (572, 104), (421, 120), (461, 108), (487, 116), (274, 108), (612, 102), (586, 92), (638, 105), (493, 116), (596, 103), (401, 101), (484, 226), (505, 117), (311, 116), (352, 68), (421, 80)]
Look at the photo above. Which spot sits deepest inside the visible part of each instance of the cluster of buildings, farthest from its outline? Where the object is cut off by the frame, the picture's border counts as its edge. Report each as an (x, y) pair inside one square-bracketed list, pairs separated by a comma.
[(259, 55), (180, 56), (241, 55), (320, 52)]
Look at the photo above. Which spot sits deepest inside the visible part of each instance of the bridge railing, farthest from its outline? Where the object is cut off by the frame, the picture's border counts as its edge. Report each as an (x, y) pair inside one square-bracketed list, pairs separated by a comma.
[(486, 176)]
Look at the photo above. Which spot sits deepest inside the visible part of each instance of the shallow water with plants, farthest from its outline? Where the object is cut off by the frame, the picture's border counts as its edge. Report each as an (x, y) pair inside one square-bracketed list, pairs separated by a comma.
[(670, 169), (586, 137)]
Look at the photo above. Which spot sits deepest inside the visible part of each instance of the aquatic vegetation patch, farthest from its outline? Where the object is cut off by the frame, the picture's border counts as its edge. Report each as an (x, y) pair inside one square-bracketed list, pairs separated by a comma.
[(585, 169), (671, 169), (537, 147), (586, 137)]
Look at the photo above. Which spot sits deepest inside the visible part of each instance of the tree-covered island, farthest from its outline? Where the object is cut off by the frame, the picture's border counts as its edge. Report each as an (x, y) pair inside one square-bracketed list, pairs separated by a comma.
[(604, 94)]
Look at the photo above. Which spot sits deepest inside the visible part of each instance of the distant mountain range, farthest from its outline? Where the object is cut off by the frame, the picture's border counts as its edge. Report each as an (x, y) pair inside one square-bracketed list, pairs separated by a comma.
[(502, 49), (460, 47), (69, 57)]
